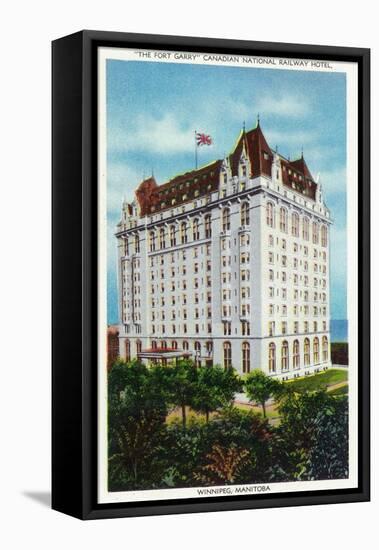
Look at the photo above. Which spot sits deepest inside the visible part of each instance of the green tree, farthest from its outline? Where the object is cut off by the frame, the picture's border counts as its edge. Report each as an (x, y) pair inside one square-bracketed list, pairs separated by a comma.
[(215, 388), (260, 388), (329, 454), (163, 379), (312, 440), (188, 452), (124, 374), (137, 411), (181, 384)]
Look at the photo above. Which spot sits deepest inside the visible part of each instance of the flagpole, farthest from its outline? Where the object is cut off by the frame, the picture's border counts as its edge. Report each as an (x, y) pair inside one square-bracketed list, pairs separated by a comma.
[(195, 151)]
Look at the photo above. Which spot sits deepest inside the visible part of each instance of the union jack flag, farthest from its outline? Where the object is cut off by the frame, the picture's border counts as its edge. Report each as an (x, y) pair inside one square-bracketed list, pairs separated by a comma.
[(203, 139)]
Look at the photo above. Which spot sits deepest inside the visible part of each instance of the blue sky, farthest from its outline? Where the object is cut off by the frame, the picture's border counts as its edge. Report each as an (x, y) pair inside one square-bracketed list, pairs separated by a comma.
[(153, 109)]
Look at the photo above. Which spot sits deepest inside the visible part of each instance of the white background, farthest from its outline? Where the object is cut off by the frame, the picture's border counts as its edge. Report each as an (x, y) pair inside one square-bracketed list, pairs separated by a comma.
[(27, 29)]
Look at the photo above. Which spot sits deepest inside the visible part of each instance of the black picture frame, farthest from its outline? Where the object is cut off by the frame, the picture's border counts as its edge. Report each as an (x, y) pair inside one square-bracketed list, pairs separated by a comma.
[(74, 271)]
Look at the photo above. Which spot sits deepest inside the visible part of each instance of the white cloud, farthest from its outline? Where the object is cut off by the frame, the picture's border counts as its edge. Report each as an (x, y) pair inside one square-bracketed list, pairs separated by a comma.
[(172, 132), (284, 106), (163, 135)]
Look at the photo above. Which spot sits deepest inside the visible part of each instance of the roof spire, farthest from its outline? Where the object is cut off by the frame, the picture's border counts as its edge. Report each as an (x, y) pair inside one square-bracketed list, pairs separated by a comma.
[(258, 120), (243, 127), (302, 152)]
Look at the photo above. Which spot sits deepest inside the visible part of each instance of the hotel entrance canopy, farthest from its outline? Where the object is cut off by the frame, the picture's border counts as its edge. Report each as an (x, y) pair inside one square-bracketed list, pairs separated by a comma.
[(162, 354)]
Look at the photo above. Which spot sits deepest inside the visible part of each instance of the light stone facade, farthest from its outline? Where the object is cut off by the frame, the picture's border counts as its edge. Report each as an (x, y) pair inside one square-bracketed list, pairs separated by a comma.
[(237, 275)]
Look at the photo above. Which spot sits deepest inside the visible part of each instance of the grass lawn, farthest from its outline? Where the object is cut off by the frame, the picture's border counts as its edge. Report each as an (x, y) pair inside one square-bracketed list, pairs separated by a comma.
[(342, 390), (319, 381)]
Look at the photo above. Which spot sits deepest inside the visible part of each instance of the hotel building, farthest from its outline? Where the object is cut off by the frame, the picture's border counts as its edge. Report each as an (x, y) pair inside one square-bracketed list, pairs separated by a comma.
[(228, 264)]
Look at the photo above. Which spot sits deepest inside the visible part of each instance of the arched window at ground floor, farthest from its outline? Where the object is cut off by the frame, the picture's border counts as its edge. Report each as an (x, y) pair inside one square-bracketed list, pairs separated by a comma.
[(325, 348), (245, 357), (127, 350), (227, 355), (296, 355), (284, 362), (271, 357), (316, 350), (307, 352)]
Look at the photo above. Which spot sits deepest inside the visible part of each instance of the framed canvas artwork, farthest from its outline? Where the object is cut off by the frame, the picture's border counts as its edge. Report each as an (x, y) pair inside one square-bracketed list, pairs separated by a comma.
[(210, 274)]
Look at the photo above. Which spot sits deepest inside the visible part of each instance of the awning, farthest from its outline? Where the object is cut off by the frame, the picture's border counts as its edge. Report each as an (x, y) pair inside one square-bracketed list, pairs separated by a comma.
[(163, 354)]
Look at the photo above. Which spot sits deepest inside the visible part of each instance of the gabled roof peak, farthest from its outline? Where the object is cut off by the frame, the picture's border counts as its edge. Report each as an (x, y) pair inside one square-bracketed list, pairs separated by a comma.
[(300, 165)]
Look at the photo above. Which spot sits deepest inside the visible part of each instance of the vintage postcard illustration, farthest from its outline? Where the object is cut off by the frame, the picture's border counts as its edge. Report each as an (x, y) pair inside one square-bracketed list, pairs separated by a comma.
[(227, 294)]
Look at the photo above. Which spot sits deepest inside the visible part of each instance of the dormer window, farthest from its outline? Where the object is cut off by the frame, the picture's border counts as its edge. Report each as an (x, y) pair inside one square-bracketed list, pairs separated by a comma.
[(244, 170), (225, 177), (265, 156)]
